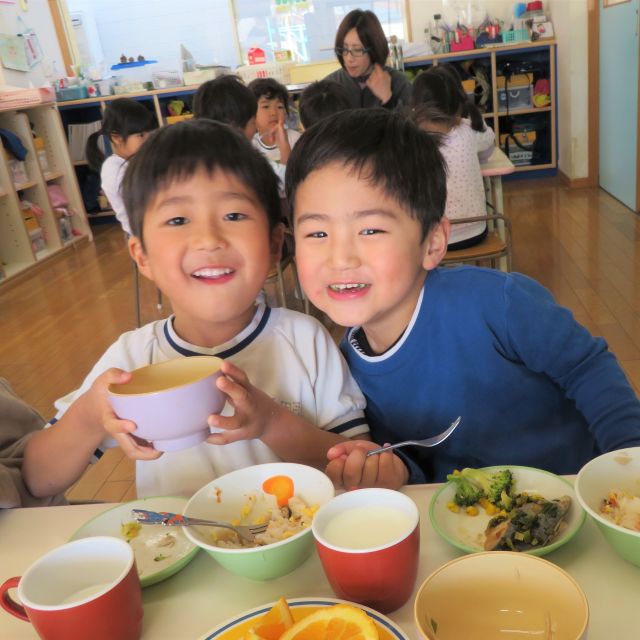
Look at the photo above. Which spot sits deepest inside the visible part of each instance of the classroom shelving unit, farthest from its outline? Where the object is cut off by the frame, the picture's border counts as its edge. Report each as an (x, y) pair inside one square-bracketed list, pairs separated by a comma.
[(535, 58), (25, 245)]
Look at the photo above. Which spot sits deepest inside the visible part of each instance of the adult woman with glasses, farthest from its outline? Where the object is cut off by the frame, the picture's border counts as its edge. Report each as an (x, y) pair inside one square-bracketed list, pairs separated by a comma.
[(362, 50)]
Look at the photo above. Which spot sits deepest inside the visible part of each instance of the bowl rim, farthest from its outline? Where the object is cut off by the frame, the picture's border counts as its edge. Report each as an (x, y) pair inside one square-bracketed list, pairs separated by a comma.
[(154, 365), (263, 548), (594, 514), (526, 557), (537, 552)]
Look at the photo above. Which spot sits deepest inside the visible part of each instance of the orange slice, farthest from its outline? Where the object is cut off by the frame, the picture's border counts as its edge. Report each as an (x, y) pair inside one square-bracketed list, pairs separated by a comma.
[(281, 487), (272, 624), (340, 622)]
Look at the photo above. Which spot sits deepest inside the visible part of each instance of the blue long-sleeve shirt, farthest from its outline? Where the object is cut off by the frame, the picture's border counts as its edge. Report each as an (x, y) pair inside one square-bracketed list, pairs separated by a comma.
[(532, 385)]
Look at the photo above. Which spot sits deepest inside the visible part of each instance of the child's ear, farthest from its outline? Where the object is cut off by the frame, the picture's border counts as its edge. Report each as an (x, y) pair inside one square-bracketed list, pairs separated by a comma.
[(139, 256), (277, 240), (435, 244)]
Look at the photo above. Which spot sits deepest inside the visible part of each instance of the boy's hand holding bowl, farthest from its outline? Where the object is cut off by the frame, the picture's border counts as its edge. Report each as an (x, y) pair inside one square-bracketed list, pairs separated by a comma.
[(169, 404)]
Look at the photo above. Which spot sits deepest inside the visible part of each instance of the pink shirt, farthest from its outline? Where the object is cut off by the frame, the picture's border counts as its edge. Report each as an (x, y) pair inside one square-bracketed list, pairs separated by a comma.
[(465, 189)]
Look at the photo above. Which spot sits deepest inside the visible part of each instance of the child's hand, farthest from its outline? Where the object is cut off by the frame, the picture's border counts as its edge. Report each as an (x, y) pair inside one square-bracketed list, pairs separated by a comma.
[(253, 409), (379, 83), (122, 431), (350, 468), (281, 138)]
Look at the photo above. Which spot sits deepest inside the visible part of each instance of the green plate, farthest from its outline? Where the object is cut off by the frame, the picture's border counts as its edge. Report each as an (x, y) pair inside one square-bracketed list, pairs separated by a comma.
[(155, 563), (467, 532)]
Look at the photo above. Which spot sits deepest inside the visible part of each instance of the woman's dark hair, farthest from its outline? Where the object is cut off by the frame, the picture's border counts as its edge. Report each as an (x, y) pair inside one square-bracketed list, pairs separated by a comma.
[(383, 147), (179, 151), (438, 95), (269, 88), (369, 31), (225, 99), (322, 99), (123, 117)]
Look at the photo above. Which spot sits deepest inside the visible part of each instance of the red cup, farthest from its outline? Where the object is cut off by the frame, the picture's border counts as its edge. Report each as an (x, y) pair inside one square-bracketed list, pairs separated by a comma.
[(87, 588), (369, 545)]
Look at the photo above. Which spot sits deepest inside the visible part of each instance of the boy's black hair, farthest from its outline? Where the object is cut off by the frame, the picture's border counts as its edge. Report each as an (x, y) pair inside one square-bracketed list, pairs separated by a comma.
[(438, 95), (123, 117), (369, 32), (179, 151), (270, 88), (225, 99), (384, 147), (322, 99)]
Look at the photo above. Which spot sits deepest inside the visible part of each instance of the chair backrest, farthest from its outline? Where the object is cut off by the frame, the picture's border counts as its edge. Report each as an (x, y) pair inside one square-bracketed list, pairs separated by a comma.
[(494, 249)]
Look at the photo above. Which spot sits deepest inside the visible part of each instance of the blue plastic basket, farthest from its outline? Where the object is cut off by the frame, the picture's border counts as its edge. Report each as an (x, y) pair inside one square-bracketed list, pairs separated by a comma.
[(516, 35)]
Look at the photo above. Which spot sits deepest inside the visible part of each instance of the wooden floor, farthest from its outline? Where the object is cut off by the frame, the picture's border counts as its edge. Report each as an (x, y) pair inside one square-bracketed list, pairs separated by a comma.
[(582, 244)]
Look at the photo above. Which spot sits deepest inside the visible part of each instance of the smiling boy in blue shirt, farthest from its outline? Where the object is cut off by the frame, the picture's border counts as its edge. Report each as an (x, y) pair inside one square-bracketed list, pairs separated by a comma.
[(426, 344)]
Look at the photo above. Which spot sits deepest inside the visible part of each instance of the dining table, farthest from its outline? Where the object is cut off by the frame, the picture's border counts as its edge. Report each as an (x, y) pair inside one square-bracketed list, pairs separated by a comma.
[(203, 595)]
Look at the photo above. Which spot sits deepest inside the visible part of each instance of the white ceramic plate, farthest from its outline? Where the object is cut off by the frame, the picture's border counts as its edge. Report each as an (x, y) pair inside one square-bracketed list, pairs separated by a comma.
[(235, 628), (467, 532), (155, 563)]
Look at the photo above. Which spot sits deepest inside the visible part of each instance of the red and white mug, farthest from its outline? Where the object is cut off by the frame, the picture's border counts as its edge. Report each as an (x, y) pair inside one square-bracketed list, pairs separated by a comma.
[(88, 588), (368, 541)]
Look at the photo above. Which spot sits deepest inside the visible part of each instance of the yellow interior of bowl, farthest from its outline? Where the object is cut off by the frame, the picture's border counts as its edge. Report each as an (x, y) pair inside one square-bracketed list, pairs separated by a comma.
[(504, 597), (168, 375)]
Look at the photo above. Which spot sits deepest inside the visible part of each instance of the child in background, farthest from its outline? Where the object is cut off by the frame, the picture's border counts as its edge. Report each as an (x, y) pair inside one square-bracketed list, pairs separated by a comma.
[(126, 124), (272, 139), (205, 216), (367, 190), (440, 105), (227, 99), (321, 99)]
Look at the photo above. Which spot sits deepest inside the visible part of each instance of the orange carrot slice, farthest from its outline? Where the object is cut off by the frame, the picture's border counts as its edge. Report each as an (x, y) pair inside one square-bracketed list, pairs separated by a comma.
[(281, 487)]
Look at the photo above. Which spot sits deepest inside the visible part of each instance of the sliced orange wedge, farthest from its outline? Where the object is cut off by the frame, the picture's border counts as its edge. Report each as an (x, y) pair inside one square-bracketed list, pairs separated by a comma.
[(340, 622), (281, 487), (272, 624)]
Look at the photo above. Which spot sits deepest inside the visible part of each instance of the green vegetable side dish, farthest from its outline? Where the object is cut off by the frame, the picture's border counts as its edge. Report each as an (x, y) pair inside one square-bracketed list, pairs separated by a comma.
[(506, 508), (473, 484)]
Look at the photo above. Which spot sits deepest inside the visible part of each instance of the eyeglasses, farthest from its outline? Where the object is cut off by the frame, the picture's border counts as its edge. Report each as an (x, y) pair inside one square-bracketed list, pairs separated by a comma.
[(356, 52)]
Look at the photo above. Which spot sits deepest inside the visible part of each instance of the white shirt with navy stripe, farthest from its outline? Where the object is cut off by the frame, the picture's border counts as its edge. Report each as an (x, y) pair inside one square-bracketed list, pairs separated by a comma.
[(286, 354)]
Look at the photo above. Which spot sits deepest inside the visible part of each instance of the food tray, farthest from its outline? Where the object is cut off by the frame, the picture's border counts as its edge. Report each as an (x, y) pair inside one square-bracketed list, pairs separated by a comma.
[(277, 70), (17, 98)]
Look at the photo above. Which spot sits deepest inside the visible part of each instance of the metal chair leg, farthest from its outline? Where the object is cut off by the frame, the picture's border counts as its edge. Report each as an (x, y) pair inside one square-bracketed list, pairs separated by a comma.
[(136, 292)]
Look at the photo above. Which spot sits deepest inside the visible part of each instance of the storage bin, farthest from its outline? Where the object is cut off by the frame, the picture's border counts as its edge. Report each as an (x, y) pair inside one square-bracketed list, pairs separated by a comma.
[(71, 93), (280, 71), (517, 154), (515, 97), (43, 161), (18, 172)]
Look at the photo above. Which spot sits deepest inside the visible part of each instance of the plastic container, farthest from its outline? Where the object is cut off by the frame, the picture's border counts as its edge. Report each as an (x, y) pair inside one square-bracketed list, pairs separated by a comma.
[(515, 98), (280, 71)]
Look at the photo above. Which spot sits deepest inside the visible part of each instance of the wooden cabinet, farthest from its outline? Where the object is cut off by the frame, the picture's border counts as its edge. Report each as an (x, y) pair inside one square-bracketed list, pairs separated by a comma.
[(31, 229), (527, 133)]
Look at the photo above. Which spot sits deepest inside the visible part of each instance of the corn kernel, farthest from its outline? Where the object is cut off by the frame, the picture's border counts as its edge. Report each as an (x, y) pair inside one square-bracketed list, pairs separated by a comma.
[(472, 511), (452, 506)]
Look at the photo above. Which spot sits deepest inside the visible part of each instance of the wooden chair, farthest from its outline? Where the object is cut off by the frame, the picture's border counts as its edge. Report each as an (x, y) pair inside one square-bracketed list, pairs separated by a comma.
[(277, 274), (495, 246)]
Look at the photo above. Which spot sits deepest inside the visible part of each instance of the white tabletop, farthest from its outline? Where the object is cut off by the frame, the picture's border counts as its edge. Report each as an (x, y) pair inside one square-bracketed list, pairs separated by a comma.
[(497, 164), (194, 601)]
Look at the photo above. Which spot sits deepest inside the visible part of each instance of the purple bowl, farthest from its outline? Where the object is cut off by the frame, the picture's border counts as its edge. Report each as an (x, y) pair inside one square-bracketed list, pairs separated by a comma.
[(171, 401)]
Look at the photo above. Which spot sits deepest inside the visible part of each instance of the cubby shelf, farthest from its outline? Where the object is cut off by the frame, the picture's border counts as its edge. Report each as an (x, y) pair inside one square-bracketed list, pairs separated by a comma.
[(542, 52), (18, 251)]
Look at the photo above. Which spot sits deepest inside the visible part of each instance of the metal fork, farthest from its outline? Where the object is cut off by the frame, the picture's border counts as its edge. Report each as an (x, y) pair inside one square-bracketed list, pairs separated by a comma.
[(167, 519), (427, 442)]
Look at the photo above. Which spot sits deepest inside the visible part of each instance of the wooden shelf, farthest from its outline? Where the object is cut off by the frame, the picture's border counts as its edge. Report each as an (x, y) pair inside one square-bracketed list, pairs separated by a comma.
[(518, 112), (16, 251), (107, 213), (80, 163), (52, 175), (21, 186)]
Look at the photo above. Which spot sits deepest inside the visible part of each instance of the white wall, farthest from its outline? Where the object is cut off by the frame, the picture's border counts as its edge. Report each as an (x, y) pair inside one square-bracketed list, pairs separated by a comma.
[(156, 28), (38, 17), (569, 18)]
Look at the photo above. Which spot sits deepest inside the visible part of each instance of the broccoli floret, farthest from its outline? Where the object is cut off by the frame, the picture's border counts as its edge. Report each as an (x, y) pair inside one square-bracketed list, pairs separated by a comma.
[(467, 493), (496, 486)]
